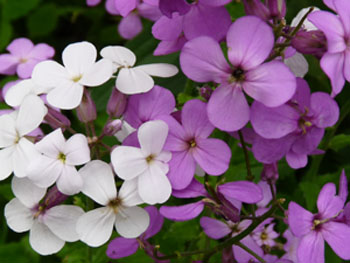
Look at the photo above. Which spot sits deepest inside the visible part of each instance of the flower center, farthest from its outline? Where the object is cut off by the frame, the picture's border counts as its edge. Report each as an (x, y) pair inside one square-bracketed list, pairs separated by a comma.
[(40, 210), (149, 158), (23, 60), (62, 157), (77, 78), (237, 76), (192, 143), (263, 236), (114, 204)]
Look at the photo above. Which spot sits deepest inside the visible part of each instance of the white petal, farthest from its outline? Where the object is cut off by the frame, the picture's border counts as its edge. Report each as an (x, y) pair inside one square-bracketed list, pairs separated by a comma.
[(49, 74), (70, 181), (43, 241), (8, 133), (31, 114), (15, 95), (6, 167), (98, 73), (62, 219), (23, 154), (27, 192), (128, 162), (66, 96), (77, 150), (99, 182), (131, 221), (119, 55), (79, 57), (307, 25), (164, 156), (154, 186), (129, 194), (152, 136), (95, 227), (159, 70), (297, 64), (124, 132), (19, 217), (52, 144), (133, 81)]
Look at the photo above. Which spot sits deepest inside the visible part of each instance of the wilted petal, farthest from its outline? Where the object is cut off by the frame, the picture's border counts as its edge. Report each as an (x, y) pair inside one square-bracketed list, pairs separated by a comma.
[(214, 228), (337, 236), (122, 247), (131, 221), (299, 219), (183, 212), (19, 217), (311, 248)]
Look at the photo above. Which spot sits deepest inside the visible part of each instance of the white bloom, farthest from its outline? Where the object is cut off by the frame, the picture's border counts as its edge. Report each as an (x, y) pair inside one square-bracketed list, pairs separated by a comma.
[(147, 165), (133, 80), (119, 209), (17, 150), (58, 160), (125, 131), (49, 227), (297, 64), (307, 25), (68, 81)]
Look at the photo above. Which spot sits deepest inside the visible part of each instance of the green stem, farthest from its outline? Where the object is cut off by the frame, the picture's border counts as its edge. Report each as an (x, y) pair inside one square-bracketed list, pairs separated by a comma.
[(250, 176), (251, 252)]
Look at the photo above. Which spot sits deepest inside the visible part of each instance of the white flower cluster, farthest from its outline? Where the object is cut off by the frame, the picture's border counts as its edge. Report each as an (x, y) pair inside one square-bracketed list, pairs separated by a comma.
[(47, 168)]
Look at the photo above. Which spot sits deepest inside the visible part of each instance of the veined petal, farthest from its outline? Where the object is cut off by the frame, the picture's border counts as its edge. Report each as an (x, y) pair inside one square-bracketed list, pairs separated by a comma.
[(77, 150), (328, 203), (99, 73), (183, 212), (253, 45), (19, 217), (337, 236), (61, 220), (131, 222), (152, 136), (70, 181), (66, 96), (23, 154), (326, 109), (299, 220), (156, 221), (95, 227), (311, 248), (128, 162), (333, 64), (243, 191), (98, 182), (8, 133), (6, 163), (119, 55), (163, 70), (214, 228), (129, 194), (28, 193), (133, 81)]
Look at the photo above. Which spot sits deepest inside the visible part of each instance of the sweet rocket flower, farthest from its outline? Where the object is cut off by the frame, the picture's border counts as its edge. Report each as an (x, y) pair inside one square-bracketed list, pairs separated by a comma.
[(314, 229), (118, 208), (291, 246), (202, 60), (49, 225), (58, 160), (133, 80), (23, 57), (265, 235), (146, 165), (294, 129), (17, 150), (336, 62), (68, 81), (190, 145)]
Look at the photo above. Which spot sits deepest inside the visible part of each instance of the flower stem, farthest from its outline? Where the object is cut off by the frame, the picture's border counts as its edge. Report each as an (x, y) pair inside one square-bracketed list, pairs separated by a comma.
[(251, 252), (250, 176)]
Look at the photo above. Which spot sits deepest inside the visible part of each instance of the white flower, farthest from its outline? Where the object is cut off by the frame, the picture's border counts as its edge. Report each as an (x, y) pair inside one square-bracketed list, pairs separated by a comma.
[(68, 81), (125, 131), (133, 80), (49, 227), (147, 165), (119, 209), (58, 160), (17, 149), (307, 25)]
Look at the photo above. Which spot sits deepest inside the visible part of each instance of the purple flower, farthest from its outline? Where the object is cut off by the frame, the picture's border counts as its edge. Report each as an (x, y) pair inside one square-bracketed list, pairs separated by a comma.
[(294, 129), (23, 57), (190, 145), (250, 41), (314, 229)]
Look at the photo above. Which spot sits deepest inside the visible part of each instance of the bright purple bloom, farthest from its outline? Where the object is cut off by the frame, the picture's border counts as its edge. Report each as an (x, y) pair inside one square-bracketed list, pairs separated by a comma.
[(24, 55), (250, 41), (314, 229), (294, 129), (336, 62), (190, 145)]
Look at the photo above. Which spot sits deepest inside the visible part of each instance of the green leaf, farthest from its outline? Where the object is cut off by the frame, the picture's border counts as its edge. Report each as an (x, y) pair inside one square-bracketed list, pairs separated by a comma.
[(6, 192), (14, 9), (310, 191), (5, 34), (15, 252), (339, 142), (43, 21)]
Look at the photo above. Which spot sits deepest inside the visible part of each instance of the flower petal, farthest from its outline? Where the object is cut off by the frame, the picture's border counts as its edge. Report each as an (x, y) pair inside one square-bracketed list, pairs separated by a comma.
[(311, 248), (156, 222), (125, 6), (214, 228), (70, 181), (299, 219), (129, 194), (44, 171), (243, 191), (183, 212), (24, 153), (19, 217), (332, 65), (119, 55), (328, 203), (77, 150), (122, 247), (28, 193), (131, 222), (326, 110), (163, 70), (152, 136), (99, 73), (52, 144), (296, 160), (337, 236), (6, 163), (49, 73), (67, 96), (133, 81)]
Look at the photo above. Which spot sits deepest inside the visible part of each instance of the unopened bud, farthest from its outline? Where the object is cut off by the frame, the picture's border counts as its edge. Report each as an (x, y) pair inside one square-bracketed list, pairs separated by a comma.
[(310, 42), (270, 172), (116, 104), (112, 127), (87, 108), (277, 8), (56, 119), (256, 8), (54, 197)]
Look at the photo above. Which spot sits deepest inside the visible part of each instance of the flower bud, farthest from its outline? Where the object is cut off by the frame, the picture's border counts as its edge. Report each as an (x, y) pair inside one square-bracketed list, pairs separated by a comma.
[(54, 197), (277, 8), (256, 8), (116, 104), (112, 127), (56, 119), (87, 109), (205, 92), (270, 172), (310, 42)]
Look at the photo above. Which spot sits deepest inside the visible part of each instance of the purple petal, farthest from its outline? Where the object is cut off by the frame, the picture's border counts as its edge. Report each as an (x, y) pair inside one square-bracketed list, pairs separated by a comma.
[(217, 22), (110, 7), (346, 69), (168, 47), (181, 169), (264, 83), (326, 110), (343, 186), (149, 10), (311, 248), (337, 236), (328, 204), (332, 27), (156, 222), (299, 219), (194, 189), (20, 47), (228, 109), (332, 65), (214, 228), (130, 26), (168, 7), (212, 155), (167, 28), (8, 64), (176, 140), (122, 247), (182, 213), (343, 9), (296, 160), (302, 94), (244, 191), (214, 3), (195, 120), (243, 256), (202, 60), (253, 45), (92, 2), (125, 6), (273, 123), (42, 52), (309, 141), (24, 70)]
